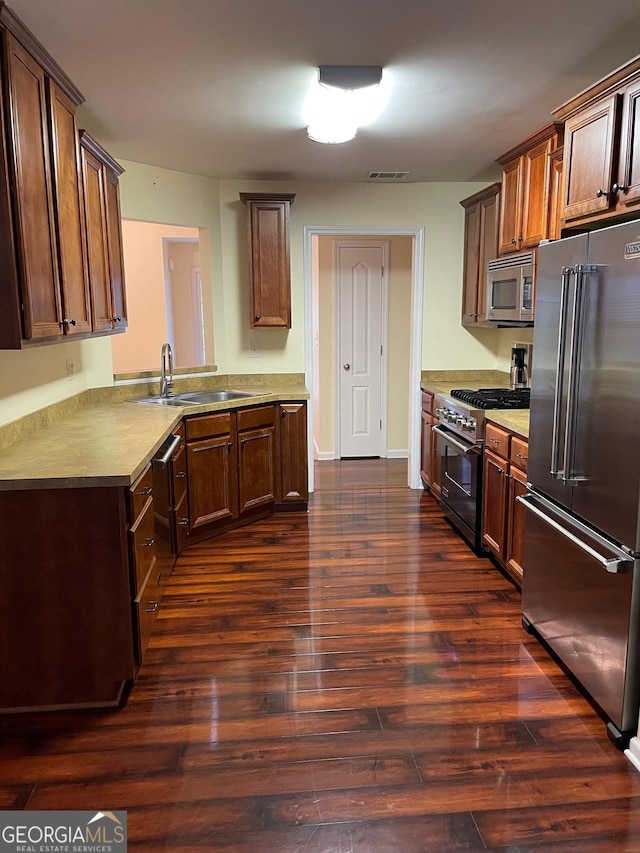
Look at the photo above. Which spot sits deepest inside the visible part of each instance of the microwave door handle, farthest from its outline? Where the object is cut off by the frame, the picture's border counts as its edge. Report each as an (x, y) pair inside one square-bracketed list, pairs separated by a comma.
[(555, 471)]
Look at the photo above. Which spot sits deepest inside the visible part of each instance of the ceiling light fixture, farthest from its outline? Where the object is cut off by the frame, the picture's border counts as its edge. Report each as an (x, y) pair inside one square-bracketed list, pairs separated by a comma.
[(342, 99)]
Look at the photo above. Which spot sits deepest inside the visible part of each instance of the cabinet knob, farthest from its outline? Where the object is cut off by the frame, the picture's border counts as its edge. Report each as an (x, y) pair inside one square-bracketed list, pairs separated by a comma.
[(145, 491), (619, 188), (116, 319), (67, 323), (601, 193), (229, 444), (257, 318), (153, 607), (181, 475), (520, 239), (148, 542), (514, 241)]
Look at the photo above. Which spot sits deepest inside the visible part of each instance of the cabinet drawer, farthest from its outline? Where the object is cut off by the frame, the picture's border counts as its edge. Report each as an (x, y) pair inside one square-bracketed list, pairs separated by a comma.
[(261, 416), (497, 440), (208, 425), (142, 538), (519, 452), (140, 493), (146, 607), (427, 402)]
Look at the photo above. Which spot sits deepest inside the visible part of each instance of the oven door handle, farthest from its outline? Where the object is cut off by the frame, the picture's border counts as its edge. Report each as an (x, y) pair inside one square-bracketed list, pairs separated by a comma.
[(469, 449)]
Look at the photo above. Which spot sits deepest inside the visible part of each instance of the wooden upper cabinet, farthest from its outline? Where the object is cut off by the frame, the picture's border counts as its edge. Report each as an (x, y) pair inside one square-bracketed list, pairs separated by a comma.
[(104, 236), (526, 190), (67, 188), (602, 151), (481, 220), (556, 194), (269, 265), (35, 228), (589, 160)]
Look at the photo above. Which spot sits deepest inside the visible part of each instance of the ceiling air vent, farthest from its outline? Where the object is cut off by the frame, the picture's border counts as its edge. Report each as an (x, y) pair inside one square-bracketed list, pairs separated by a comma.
[(387, 176)]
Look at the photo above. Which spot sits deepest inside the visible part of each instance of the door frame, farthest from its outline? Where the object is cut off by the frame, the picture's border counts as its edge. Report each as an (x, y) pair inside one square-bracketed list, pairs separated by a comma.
[(384, 321), (417, 300)]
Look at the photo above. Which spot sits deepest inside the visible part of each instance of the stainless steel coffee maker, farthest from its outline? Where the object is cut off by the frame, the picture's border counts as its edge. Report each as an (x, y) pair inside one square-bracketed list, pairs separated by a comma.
[(520, 357)]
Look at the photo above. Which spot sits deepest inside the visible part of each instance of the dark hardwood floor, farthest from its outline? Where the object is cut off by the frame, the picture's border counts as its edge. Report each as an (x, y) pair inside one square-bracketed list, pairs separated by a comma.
[(351, 680)]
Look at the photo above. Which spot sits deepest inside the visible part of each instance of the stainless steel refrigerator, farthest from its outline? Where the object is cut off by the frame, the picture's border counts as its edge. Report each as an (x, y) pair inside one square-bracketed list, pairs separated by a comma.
[(581, 584)]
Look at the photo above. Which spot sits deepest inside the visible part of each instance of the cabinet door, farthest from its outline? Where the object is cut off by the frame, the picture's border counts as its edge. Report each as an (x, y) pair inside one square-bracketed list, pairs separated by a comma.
[(482, 220), (471, 265), (70, 218), (425, 449), (114, 251), (556, 167), (33, 194), (494, 507), (589, 152), (510, 217), (97, 257), (515, 535), (629, 173), (535, 196), (291, 466), (269, 271), (213, 495), (256, 479)]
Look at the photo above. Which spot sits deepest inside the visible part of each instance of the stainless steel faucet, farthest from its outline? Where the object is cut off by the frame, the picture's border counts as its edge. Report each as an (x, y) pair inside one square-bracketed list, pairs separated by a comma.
[(166, 368)]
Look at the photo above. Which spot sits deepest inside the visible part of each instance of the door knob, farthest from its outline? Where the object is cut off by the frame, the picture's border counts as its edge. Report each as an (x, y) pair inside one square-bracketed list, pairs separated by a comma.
[(347, 366)]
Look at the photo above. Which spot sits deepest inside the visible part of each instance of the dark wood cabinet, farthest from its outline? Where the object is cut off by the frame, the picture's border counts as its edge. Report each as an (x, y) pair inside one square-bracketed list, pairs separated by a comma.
[(211, 471), (505, 479), (46, 293), (481, 224), (256, 458), (269, 264), (494, 507), (67, 634), (292, 476), (602, 152), (104, 236), (429, 460), (526, 190)]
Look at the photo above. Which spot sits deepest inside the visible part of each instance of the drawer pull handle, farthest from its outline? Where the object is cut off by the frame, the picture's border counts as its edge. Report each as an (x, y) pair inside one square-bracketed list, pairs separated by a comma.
[(153, 607), (520, 456), (494, 441), (183, 522), (148, 542), (145, 491), (181, 475)]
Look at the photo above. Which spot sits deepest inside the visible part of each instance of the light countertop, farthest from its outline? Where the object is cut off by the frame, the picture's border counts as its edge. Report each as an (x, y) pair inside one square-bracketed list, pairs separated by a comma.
[(514, 420), (109, 443)]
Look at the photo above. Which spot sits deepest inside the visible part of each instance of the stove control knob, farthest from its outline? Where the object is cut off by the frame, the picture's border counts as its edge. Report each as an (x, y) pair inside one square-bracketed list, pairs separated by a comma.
[(460, 421)]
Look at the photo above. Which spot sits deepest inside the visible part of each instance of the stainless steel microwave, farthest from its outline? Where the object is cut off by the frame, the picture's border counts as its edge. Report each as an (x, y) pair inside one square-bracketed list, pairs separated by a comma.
[(510, 289)]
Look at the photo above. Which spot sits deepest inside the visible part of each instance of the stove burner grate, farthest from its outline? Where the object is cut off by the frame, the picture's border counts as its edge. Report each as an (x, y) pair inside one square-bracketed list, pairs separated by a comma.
[(494, 398)]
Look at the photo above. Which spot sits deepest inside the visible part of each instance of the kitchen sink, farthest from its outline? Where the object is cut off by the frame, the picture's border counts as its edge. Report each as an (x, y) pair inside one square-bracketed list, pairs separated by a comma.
[(219, 396), (165, 401), (192, 398)]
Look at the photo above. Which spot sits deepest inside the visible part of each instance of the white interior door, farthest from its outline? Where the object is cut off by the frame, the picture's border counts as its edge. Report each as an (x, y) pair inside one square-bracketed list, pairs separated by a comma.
[(361, 304)]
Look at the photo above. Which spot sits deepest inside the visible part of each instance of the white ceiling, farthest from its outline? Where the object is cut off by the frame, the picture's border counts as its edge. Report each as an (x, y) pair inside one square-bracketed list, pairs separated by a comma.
[(216, 87)]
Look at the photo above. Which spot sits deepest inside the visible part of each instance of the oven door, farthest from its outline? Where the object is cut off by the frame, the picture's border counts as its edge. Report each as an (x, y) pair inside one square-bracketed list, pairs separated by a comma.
[(460, 483)]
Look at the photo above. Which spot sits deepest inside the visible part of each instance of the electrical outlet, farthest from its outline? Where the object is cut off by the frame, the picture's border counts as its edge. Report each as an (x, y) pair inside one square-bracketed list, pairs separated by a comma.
[(253, 352), (71, 372)]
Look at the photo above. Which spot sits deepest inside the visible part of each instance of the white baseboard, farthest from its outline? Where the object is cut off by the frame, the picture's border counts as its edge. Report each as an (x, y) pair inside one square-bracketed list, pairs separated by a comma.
[(325, 456), (397, 454), (633, 753)]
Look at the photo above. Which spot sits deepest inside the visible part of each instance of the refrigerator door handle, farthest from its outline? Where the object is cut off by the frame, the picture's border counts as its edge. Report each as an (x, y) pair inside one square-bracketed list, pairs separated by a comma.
[(619, 564), (569, 477), (555, 470)]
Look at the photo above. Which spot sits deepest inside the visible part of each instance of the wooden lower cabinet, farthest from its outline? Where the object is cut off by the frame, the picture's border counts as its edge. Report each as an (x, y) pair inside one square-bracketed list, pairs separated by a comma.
[(429, 460), (73, 608), (505, 479), (292, 477)]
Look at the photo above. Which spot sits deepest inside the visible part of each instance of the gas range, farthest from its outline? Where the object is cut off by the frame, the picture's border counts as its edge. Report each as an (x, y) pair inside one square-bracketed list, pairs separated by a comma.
[(462, 410)]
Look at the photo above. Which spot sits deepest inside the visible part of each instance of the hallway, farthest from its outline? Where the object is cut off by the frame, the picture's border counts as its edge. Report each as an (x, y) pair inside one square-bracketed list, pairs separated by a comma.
[(351, 680)]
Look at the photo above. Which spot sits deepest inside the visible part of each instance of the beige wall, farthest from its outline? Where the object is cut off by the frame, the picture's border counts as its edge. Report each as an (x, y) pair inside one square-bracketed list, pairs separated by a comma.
[(139, 348), (399, 339)]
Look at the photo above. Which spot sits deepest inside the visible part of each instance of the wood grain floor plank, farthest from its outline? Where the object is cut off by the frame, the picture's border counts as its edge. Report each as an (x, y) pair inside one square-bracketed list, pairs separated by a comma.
[(351, 680)]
